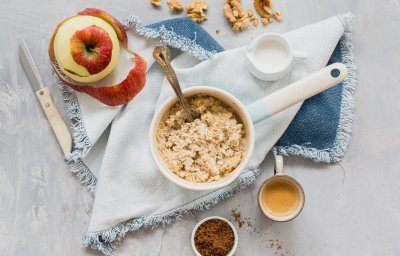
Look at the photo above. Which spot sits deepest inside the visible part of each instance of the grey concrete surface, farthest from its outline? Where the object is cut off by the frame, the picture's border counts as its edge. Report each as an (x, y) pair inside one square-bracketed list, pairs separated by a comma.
[(352, 208)]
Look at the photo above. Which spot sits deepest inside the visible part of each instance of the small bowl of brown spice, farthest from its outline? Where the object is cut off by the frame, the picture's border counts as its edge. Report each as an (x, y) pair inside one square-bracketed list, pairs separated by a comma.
[(214, 236)]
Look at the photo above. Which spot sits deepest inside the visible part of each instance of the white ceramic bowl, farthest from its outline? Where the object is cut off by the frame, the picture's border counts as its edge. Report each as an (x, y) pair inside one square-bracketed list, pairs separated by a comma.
[(235, 244), (227, 99)]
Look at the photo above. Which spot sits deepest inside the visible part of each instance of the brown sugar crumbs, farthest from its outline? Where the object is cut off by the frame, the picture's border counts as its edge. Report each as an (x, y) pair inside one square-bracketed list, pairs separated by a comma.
[(237, 217), (242, 222), (279, 247), (214, 238)]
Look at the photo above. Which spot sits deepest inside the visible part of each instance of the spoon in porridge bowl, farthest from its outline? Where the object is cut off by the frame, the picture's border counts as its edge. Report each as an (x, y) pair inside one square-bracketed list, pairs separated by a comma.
[(162, 55), (213, 150)]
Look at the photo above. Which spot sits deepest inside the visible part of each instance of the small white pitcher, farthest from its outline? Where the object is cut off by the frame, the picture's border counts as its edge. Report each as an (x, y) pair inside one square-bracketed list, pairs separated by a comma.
[(270, 57)]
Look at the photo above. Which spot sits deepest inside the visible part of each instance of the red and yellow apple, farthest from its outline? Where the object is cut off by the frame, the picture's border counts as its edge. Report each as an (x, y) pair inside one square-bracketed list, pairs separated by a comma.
[(86, 48)]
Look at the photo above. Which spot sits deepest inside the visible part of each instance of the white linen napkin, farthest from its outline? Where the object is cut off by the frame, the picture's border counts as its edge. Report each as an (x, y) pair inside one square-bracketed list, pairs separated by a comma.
[(130, 192)]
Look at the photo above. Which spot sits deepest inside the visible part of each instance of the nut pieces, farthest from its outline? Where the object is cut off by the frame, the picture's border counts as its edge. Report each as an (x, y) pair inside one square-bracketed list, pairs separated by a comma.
[(277, 15), (233, 11), (240, 19), (175, 5), (265, 21), (228, 12), (264, 9), (156, 2), (253, 19), (195, 11)]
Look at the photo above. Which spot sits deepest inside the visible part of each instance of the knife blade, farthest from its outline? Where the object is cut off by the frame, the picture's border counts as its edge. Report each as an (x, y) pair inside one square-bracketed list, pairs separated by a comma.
[(42, 92)]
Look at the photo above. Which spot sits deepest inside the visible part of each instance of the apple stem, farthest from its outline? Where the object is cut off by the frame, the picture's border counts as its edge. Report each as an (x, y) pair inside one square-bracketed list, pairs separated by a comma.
[(91, 48)]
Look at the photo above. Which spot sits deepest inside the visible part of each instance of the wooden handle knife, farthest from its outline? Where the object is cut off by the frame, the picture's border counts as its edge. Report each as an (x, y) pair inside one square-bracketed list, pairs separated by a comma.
[(58, 125)]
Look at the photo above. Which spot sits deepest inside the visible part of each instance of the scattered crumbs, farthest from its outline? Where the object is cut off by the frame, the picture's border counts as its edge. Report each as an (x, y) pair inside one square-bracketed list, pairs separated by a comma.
[(278, 247), (248, 223), (244, 222), (217, 31), (237, 217)]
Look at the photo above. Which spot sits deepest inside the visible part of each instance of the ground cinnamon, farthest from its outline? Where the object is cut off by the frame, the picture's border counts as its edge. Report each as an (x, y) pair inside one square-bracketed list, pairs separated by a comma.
[(214, 238)]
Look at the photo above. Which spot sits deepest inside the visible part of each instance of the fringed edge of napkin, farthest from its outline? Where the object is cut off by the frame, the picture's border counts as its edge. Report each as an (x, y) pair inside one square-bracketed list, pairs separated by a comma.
[(82, 143), (343, 134), (107, 240), (169, 37)]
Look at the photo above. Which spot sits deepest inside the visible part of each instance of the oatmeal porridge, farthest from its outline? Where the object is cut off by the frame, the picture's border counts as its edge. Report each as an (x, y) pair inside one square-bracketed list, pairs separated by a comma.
[(205, 150)]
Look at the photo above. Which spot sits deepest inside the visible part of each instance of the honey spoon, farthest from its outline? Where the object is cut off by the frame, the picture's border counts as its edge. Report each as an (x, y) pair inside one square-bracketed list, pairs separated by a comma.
[(162, 55)]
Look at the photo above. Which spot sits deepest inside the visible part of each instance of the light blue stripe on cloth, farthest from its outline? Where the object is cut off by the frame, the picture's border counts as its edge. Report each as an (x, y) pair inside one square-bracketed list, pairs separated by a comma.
[(257, 111)]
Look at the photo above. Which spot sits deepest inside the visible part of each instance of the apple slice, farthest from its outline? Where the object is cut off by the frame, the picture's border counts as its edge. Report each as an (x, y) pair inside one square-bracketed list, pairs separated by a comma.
[(117, 26), (114, 95)]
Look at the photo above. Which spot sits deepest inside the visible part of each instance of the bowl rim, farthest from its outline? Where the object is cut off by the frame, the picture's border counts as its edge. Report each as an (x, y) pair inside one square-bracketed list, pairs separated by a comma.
[(192, 185), (235, 243)]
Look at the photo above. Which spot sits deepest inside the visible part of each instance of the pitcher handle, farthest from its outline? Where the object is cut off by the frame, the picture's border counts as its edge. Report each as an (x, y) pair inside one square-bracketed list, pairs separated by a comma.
[(278, 165), (300, 55)]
